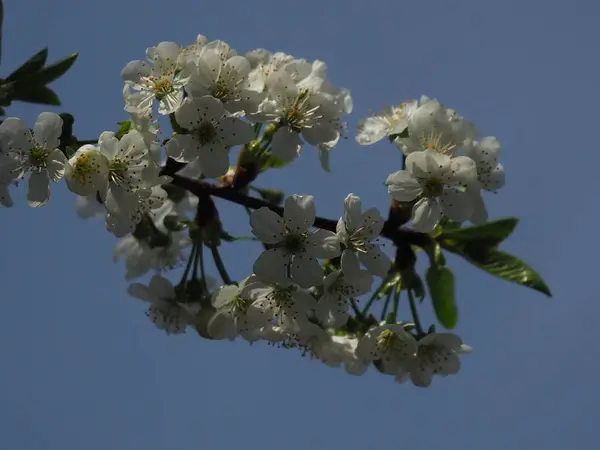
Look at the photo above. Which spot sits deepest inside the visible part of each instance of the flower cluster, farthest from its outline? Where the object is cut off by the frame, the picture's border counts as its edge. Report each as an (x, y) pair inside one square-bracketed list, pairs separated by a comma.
[(446, 165), (303, 290)]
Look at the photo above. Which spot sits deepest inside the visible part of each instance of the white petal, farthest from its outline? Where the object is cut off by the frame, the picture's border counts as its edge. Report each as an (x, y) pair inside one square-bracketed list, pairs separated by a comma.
[(427, 164), (350, 264), (38, 189), (47, 130), (281, 86), (209, 108), (299, 213), (164, 56), (234, 131), (422, 377), (222, 326), (462, 170), (171, 102), (162, 288), (332, 310), (15, 135), (480, 214), (182, 148), (224, 295), (493, 179), (135, 70), (456, 205), (321, 133), (352, 211), (239, 65), (371, 130), (426, 214), (55, 165), (306, 271), (286, 144), (108, 144), (403, 186), (376, 262), (323, 244), (267, 225), (371, 223), (214, 160), (142, 292), (272, 266)]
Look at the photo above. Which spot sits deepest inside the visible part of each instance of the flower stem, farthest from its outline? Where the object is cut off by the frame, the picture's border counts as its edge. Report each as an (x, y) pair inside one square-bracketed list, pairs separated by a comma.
[(188, 266), (397, 292), (386, 305), (220, 266), (415, 314), (355, 308)]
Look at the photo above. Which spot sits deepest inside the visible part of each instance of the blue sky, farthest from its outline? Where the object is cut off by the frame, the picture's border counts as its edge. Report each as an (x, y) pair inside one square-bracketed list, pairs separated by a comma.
[(82, 367)]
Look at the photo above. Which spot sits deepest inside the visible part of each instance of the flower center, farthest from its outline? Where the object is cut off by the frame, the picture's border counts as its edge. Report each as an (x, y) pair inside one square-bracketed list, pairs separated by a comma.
[(117, 171), (300, 114), (434, 142), (239, 305), (84, 167), (294, 243), (205, 133), (37, 157), (433, 188), (221, 91), (162, 86)]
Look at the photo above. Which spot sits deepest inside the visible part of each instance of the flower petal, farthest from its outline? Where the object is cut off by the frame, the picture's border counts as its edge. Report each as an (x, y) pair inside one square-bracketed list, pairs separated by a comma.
[(267, 225), (234, 131), (323, 244), (371, 130), (306, 270), (376, 262), (403, 186), (47, 130), (299, 213), (426, 214), (272, 266), (456, 205), (286, 144), (38, 189), (352, 211), (55, 165)]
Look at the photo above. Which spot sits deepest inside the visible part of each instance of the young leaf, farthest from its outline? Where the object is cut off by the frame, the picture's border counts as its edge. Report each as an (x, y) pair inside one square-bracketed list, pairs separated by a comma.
[(50, 73), (31, 66), (491, 233), (272, 162), (501, 264), (37, 94), (440, 282)]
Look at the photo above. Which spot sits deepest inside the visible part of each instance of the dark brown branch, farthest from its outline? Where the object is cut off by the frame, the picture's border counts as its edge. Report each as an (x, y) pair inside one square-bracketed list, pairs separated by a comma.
[(391, 229)]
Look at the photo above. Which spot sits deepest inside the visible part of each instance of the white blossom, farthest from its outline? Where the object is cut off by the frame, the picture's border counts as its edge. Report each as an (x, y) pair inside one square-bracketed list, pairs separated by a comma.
[(356, 231), (432, 126), (437, 354), (165, 311), (34, 154), (160, 251), (163, 81), (122, 221), (229, 319), (341, 350), (86, 172), (389, 343), (490, 173), (212, 131), (338, 289), (189, 55), (294, 249), (284, 305), (390, 121), (437, 182), (225, 78), (298, 111)]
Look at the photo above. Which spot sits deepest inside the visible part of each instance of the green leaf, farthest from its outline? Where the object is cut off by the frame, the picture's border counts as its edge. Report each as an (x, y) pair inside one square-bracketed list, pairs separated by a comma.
[(31, 66), (38, 94), (272, 162), (50, 73), (124, 128), (440, 282), (500, 264), (489, 233)]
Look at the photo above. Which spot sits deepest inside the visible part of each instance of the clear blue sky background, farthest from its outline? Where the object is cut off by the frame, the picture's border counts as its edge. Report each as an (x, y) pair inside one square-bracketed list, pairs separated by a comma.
[(83, 368)]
